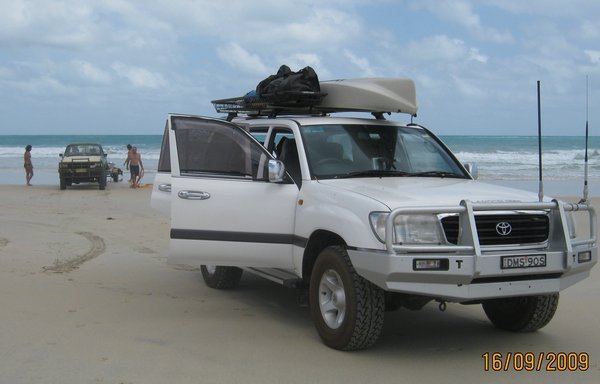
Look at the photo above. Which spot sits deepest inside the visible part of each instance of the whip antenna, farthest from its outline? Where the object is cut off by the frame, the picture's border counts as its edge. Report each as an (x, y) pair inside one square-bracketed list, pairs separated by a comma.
[(541, 183), (585, 167)]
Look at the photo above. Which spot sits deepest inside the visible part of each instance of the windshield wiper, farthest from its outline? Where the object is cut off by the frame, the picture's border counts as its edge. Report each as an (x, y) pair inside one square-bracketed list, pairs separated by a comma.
[(437, 174), (374, 173)]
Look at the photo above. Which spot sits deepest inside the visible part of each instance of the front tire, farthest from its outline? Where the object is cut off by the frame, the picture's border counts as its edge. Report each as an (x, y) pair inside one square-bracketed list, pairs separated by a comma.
[(219, 277), (63, 184), (521, 314), (102, 182), (347, 310)]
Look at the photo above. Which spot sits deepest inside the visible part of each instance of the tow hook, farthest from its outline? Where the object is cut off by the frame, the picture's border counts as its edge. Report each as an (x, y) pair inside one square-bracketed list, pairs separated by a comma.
[(442, 306)]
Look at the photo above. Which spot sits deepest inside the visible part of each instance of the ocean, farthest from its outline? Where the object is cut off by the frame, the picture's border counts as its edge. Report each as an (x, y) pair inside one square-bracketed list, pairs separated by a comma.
[(504, 160)]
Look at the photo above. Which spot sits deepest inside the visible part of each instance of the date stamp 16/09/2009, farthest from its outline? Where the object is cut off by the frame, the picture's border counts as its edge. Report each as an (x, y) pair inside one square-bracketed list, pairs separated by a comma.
[(536, 361)]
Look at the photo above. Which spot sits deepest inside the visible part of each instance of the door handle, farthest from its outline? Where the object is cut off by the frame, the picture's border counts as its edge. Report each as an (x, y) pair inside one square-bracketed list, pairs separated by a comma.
[(193, 195), (164, 187)]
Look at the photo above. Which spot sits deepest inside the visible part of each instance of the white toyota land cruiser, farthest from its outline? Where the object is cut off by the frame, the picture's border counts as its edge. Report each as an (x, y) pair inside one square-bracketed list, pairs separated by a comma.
[(363, 213)]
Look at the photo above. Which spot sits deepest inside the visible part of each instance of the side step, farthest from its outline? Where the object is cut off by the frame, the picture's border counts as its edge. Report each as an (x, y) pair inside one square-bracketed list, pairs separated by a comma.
[(280, 276)]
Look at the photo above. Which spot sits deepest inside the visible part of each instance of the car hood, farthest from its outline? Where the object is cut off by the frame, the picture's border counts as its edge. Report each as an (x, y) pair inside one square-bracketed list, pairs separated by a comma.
[(418, 191)]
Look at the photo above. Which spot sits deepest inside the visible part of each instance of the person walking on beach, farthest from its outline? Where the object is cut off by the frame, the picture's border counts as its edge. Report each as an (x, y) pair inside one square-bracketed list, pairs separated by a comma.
[(28, 164), (126, 163), (137, 167)]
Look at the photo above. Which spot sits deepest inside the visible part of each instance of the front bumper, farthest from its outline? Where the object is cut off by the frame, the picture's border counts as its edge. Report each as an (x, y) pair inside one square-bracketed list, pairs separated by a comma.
[(82, 174), (472, 272)]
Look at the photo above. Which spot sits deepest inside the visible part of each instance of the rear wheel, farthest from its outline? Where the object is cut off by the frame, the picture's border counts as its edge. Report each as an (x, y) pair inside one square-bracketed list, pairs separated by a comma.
[(521, 314), (220, 277), (347, 310)]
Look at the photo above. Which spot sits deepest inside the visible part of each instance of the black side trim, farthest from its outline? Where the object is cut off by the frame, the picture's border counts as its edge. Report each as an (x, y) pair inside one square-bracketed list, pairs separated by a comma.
[(244, 237), (300, 241)]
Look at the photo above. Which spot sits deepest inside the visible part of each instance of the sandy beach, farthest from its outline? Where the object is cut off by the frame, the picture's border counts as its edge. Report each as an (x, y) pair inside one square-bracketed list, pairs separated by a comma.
[(86, 296)]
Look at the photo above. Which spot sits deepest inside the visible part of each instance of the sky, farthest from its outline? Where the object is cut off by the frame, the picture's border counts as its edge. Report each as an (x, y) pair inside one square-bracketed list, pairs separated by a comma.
[(120, 66)]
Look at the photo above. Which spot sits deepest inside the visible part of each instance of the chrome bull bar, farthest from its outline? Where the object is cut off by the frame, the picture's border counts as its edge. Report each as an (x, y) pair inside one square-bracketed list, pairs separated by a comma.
[(468, 241)]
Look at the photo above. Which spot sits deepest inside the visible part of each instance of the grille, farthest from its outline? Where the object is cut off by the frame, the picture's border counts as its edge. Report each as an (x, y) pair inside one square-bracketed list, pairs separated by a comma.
[(81, 165), (525, 229)]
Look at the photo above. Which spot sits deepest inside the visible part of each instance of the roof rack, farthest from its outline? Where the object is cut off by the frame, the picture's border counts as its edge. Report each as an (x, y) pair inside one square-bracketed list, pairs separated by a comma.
[(375, 95), (271, 104)]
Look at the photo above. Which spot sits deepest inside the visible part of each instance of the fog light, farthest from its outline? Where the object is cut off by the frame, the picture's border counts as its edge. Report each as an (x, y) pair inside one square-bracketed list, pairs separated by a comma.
[(584, 257), (431, 264)]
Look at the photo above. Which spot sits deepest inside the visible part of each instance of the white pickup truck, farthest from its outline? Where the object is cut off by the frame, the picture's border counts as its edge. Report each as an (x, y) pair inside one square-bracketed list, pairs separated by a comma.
[(364, 214)]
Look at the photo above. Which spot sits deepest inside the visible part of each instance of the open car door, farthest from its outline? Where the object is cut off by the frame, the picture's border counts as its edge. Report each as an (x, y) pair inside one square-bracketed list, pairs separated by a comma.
[(224, 210)]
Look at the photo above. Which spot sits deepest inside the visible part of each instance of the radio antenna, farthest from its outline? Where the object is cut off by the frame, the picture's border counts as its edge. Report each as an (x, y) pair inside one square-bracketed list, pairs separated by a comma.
[(541, 183), (585, 167)]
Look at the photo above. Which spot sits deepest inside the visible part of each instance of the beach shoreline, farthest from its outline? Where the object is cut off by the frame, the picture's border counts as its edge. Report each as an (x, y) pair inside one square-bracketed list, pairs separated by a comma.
[(87, 296)]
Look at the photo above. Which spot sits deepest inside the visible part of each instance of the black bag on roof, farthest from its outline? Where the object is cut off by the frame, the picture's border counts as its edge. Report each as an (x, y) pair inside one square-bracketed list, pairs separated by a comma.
[(286, 83)]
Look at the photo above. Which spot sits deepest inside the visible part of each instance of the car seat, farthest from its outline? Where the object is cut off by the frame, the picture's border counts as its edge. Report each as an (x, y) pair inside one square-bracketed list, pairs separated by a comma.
[(288, 154)]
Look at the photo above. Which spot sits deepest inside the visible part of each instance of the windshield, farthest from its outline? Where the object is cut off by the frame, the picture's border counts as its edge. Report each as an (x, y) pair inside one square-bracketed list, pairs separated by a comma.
[(342, 151), (83, 150)]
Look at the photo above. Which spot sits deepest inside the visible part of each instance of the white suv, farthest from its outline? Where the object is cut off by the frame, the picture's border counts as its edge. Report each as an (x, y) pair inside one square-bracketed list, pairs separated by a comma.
[(364, 214)]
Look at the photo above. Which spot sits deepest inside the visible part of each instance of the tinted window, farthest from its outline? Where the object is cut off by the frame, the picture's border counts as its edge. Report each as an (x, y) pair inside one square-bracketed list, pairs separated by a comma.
[(164, 162), (216, 148)]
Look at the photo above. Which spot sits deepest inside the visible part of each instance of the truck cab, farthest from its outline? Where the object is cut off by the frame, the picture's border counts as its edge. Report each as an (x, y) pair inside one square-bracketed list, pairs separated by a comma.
[(361, 213)]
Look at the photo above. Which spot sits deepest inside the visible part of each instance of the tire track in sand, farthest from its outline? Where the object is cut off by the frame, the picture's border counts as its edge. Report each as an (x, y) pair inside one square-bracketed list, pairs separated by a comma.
[(64, 266)]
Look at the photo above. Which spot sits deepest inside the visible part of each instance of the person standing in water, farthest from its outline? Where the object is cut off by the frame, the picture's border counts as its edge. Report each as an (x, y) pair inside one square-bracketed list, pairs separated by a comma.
[(28, 164)]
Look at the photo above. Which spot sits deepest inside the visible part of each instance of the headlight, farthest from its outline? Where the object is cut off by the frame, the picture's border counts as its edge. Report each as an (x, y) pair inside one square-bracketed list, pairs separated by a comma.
[(571, 224), (409, 229)]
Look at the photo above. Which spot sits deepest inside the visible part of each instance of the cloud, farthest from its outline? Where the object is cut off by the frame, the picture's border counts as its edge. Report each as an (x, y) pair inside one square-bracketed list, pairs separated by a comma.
[(444, 50), (239, 58), (56, 23), (594, 56), (91, 73), (461, 13), (297, 61), (43, 85), (323, 26), (590, 30), (468, 88), (362, 63), (139, 77)]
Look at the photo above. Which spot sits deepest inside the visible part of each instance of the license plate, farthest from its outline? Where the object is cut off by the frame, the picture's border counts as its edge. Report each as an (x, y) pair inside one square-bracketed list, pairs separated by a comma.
[(81, 170), (530, 261)]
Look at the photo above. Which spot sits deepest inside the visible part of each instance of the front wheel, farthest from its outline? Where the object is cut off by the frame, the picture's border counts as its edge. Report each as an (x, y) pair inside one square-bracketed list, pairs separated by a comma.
[(347, 309), (521, 314), (63, 184), (219, 277), (102, 182)]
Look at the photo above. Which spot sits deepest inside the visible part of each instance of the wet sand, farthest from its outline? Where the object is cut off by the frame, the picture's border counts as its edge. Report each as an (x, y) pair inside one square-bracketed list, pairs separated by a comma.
[(86, 296)]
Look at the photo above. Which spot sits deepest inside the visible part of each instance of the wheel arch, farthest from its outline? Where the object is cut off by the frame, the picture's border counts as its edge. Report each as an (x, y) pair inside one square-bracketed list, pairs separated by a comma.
[(318, 240)]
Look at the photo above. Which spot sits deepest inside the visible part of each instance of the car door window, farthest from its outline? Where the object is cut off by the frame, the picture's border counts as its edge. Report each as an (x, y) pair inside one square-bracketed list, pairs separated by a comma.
[(164, 162), (216, 148)]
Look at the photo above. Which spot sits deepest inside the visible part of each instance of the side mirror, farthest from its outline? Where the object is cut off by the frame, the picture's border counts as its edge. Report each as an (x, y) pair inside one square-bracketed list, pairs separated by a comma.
[(60, 155), (276, 171), (472, 169)]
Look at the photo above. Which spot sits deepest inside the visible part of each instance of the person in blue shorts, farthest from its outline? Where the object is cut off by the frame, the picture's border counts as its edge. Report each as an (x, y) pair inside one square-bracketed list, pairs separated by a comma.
[(136, 167)]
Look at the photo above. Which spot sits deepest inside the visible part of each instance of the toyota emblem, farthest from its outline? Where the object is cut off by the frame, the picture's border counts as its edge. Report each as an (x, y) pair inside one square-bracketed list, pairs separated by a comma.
[(503, 228)]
